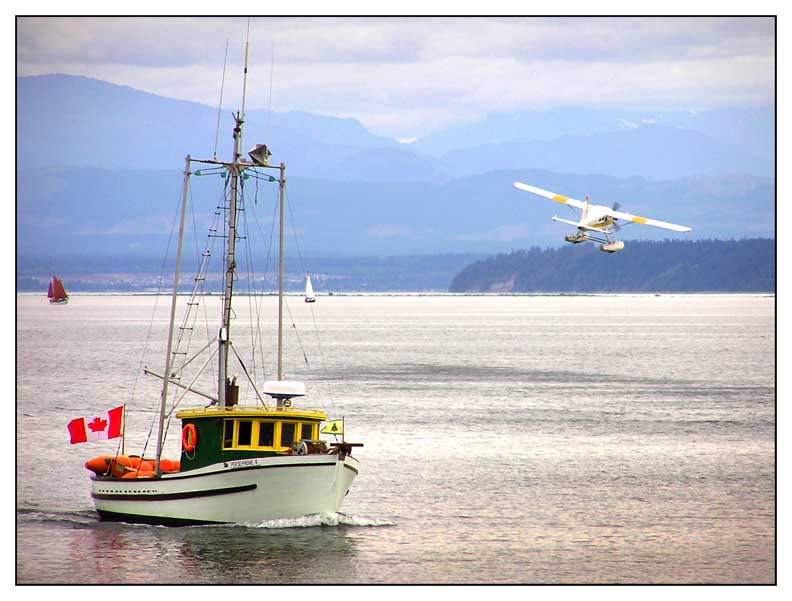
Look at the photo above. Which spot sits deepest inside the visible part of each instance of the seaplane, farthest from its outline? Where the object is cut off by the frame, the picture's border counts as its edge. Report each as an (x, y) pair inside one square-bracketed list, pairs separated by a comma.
[(598, 223)]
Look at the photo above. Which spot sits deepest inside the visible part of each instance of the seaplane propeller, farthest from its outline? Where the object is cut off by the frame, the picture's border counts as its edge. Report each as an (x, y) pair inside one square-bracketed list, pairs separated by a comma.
[(598, 223)]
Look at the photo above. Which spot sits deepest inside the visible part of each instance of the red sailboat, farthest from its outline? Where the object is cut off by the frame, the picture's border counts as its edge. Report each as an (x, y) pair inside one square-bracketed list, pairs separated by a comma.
[(57, 293)]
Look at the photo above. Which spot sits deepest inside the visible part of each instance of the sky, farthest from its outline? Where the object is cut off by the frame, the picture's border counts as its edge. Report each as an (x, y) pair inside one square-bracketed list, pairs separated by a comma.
[(404, 77)]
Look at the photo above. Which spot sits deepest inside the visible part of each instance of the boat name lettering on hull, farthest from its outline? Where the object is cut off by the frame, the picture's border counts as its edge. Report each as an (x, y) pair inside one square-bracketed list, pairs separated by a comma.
[(242, 463)]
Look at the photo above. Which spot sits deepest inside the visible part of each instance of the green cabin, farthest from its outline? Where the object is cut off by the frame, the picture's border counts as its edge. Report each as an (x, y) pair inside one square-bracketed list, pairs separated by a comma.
[(214, 434)]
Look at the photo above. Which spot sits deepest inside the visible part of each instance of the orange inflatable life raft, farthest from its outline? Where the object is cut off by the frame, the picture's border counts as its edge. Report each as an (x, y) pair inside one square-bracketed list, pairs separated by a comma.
[(122, 466), (139, 474)]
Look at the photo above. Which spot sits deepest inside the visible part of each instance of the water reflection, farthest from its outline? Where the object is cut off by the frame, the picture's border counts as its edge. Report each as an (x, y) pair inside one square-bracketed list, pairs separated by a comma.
[(115, 553), (80, 549), (240, 554)]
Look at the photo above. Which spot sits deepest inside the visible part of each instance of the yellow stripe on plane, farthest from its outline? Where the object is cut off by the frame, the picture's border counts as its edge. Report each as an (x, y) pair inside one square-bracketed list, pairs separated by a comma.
[(639, 219), (559, 198)]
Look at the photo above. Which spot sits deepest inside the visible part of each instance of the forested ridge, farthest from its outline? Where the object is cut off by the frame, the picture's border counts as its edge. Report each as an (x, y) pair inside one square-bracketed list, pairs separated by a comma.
[(747, 265)]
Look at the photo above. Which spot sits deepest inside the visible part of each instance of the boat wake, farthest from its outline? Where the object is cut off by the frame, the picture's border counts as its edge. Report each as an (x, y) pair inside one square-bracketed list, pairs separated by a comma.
[(321, 519), (73, 518)]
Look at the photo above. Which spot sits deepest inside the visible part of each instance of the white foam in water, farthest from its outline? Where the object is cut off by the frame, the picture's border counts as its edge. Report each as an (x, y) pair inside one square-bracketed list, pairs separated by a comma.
[(320, 519)]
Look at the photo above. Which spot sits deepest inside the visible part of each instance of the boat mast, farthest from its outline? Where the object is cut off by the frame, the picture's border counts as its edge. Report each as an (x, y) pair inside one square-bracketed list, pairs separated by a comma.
[(168, 354), (235, 169), (282, 185)]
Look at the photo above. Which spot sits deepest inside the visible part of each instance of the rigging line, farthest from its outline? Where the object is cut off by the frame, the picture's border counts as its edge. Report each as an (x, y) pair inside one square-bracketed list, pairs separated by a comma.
[(294, 327), (266, 265), (294, 229), (252, 292), (211, 242), (148, 438), (187, 389), (313, 314), (220, 105), (244, 369), (191, 315), (187, 327), (322, 358), (255, 309), (151, 321)]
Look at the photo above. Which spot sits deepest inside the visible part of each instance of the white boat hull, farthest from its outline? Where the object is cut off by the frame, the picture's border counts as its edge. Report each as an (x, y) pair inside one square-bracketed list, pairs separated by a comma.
[(242, 491)]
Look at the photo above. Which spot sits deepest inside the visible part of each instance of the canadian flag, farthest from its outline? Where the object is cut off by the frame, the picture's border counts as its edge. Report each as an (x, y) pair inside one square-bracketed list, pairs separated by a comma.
[(102, 426)]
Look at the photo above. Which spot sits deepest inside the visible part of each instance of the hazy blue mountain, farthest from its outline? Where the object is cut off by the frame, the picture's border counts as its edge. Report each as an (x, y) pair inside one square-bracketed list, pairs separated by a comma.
[(80, 122), (114, 159), (130, 212), (749, 129), (650, 151), (747, 265)]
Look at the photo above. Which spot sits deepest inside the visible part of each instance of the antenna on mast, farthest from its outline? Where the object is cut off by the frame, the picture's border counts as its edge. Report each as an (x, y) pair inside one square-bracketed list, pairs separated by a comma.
[(240, 116), (244, 79)]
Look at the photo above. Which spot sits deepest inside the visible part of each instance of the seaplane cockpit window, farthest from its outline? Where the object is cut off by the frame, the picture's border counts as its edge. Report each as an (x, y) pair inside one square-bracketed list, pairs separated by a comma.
[(266, 434)]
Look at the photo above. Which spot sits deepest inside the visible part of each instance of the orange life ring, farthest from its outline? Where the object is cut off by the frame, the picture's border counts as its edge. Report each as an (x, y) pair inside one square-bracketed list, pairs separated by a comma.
[(189, 438)]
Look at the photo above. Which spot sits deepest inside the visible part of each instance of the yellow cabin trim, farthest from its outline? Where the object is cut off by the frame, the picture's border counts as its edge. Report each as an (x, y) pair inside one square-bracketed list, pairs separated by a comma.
[(253, 411)]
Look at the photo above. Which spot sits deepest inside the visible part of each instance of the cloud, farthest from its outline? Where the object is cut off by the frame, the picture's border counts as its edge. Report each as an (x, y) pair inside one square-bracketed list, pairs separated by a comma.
[(404, 77)]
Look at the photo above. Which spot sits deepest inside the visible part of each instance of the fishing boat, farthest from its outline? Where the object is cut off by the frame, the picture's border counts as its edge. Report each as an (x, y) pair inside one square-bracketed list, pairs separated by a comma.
[(240, 462), (309, 292), (56, 293)]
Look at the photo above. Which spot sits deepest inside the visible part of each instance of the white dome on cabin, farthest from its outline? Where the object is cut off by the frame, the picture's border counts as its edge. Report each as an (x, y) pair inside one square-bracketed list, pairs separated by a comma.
[(284, 388)]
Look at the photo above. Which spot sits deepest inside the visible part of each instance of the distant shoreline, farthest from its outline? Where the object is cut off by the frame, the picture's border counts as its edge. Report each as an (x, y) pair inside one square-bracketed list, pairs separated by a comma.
[(437, 294)]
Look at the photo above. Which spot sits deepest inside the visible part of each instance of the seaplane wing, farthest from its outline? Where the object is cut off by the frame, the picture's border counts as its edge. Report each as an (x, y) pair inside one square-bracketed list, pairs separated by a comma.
[(645, 220), (578, 204)]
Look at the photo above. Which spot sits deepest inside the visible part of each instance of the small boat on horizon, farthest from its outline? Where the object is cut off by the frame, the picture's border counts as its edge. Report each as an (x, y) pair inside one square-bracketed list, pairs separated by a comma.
[(309, 292), (56, 293)]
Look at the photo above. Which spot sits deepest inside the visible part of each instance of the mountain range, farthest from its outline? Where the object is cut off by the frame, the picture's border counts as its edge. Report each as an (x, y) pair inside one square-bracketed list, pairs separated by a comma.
[(99, 173), (81, 122)]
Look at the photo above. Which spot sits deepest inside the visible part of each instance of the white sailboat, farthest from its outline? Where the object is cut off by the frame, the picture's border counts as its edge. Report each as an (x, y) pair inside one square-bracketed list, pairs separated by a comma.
[(309, 292), (239, 463)]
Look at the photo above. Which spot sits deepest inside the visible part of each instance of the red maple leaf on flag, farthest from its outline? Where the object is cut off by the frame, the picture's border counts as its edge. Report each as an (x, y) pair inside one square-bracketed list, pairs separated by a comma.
[(97, 425)]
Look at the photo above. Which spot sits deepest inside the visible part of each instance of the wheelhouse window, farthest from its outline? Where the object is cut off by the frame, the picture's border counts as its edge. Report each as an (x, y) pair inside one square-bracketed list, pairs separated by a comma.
[(247, 434), (266, 434), (288, 431), (251, 434), (228, 434), (307, 432), (244, 433)]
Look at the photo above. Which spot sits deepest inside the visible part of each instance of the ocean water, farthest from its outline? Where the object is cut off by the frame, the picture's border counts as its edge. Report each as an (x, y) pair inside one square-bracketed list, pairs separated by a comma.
[(508, 440)]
